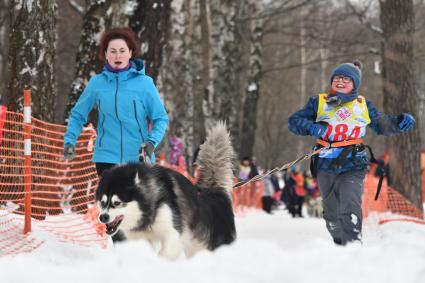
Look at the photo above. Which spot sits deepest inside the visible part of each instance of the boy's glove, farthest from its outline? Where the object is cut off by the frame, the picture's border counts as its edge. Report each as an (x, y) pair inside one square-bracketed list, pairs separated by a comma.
[(406, 122), (145, 152), (317, 130), (69, 151)]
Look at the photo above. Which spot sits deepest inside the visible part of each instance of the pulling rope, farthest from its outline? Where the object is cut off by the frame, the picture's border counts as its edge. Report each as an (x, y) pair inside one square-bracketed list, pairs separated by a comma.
[(284, 167)]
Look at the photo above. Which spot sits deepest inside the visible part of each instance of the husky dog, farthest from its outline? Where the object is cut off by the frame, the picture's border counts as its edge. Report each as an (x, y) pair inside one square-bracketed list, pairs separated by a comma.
[(137, 200)]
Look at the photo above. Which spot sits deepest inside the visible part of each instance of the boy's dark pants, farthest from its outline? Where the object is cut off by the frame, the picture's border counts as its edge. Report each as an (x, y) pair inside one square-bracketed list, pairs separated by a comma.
[(342, 199)]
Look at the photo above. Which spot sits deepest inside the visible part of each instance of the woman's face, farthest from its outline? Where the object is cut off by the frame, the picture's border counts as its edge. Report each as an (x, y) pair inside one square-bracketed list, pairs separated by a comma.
[(342, 84), (118, 54)]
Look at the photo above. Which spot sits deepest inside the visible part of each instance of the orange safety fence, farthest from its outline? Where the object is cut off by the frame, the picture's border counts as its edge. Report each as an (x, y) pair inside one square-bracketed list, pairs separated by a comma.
[(244, 197), (62, 192), (248, 196), (391, 205)]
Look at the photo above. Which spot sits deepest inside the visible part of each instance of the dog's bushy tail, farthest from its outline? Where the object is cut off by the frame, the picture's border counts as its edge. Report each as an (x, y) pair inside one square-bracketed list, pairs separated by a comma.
[(215, 159)]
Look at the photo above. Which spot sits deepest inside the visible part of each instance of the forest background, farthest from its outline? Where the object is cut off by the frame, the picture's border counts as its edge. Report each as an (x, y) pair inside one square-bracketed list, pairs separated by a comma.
[(249, 62)]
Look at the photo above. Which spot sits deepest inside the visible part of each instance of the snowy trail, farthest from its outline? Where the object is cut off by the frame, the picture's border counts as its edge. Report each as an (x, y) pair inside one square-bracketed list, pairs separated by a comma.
[(289, 233), (270, 248)]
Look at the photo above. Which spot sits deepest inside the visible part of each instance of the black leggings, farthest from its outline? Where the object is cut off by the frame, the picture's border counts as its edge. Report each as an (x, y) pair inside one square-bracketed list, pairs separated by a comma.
[(100, 167)]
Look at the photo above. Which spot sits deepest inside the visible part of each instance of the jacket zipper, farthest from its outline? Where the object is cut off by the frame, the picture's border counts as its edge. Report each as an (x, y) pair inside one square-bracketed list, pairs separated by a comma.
[(137, 120), (116, 113)]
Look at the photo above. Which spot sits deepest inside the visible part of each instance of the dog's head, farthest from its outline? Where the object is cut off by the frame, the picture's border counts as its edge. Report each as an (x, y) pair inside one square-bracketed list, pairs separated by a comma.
[(118, 198)]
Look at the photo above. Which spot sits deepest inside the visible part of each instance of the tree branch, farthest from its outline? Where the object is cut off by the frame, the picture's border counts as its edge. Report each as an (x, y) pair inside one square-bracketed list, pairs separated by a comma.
[(77, 7), (361, 15), (265, 71)]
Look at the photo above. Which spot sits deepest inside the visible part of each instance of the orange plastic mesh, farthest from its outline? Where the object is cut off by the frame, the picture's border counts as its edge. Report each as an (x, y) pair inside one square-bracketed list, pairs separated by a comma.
[(62, 191), (389, 201), (247, 196)]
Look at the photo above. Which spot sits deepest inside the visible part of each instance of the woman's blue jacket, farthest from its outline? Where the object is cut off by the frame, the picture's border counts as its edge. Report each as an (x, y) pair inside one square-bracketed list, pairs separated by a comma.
[(125, 101)]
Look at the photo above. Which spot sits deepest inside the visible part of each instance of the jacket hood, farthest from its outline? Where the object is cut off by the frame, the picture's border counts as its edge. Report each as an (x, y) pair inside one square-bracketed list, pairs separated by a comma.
[(137, 68), (138, 65)]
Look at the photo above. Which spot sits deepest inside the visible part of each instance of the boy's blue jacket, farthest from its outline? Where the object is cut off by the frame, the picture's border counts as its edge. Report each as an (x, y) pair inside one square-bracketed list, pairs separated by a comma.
[(381, 124), (125, 100)]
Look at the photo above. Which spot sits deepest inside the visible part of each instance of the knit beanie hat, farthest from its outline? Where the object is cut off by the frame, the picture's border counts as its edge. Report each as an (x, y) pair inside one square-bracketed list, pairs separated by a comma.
[(352, 70)]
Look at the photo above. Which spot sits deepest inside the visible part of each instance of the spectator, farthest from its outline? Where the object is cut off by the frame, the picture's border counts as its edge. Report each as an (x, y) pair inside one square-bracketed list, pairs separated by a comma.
[(254, 170), (176, 150), (294, 192), (244, 169), (267, 198)]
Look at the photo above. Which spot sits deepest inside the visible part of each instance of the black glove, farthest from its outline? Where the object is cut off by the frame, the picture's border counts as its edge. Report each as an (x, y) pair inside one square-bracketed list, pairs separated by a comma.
[(145, 152), (69, 151)]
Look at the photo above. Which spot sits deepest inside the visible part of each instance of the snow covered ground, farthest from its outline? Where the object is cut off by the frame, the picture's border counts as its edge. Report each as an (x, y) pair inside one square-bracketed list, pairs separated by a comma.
[(270, 248)]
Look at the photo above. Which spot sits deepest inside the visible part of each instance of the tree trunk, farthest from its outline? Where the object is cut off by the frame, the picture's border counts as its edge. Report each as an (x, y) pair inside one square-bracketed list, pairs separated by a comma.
[(249, 124), (87, 62), (303, 74), (223, 91), (4, 46), (175, 81), (151, 23), (201, 90), (31, 56), (119, 13), (397, 19)]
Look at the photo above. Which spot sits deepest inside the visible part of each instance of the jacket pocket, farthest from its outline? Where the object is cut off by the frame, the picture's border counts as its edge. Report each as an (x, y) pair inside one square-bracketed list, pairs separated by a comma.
[(137, 120), (102, 122)]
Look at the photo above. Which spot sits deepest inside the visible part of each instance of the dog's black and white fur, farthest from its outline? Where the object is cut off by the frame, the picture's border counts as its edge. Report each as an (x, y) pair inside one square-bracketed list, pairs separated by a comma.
[(160, 205)]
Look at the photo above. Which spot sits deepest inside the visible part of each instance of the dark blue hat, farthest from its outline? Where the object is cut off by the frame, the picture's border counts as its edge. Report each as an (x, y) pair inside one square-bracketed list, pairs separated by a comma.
[(352, 70)]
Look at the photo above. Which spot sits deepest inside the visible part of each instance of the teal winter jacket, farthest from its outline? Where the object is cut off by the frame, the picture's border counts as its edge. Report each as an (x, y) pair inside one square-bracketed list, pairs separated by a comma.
[(125, 102)]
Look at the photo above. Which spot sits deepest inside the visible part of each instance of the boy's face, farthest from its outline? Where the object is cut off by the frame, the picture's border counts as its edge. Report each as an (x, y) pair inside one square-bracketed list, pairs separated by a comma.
[(342, 84)]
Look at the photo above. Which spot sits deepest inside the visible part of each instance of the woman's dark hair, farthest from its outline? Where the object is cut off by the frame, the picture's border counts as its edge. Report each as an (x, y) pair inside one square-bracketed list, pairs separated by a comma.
[(123, 33)]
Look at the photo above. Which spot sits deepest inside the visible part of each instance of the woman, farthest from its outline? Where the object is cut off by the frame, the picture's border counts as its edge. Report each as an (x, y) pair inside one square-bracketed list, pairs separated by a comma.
[(340, 118), (126, 99)]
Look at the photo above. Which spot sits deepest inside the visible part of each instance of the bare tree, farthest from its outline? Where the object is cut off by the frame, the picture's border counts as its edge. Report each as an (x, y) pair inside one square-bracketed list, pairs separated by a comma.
[(94, 24), (398, 25), (332, 36), (225, 57), (175, 80), (120, 12), (4, 46), (69, 25), (151, 23), (201, 45), (31, 56), (249, 123)]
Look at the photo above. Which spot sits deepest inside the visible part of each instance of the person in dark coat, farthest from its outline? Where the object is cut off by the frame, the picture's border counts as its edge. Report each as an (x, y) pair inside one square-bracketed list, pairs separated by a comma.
[(343, 115)]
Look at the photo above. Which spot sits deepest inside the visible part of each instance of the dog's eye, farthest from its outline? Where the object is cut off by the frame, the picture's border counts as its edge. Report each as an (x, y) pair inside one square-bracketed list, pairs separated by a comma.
[(116, 203), (102, 203)]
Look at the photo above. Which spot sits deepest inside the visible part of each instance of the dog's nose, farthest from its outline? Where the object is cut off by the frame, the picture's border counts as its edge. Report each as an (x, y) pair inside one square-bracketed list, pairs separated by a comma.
[(104, 218)]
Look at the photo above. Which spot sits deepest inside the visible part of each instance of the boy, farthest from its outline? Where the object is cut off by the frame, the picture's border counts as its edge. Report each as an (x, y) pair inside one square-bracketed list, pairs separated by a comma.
[(340, 118)]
